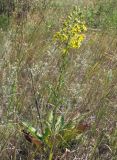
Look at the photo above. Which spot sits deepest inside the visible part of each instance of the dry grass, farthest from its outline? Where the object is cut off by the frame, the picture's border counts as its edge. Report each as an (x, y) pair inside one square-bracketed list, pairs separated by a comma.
[(29, 65)]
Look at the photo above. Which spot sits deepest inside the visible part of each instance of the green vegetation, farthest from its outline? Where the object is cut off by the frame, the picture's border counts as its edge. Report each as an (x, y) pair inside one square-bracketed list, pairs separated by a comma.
[(58, 69), (103, 15)]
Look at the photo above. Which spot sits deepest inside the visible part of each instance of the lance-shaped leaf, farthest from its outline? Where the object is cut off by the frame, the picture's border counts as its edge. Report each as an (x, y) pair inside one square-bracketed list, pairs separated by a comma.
[(32, 131)]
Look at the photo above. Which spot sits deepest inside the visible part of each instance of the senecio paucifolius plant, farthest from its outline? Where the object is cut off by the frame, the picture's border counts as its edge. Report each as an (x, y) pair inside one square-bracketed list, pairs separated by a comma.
[(72, 34), (58, 129)]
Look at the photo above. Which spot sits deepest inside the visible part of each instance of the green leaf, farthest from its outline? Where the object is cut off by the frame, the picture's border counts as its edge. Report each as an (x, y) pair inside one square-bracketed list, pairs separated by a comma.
[(58, 125), (50, 119), (46, 133), (32, 130), (62, 121)]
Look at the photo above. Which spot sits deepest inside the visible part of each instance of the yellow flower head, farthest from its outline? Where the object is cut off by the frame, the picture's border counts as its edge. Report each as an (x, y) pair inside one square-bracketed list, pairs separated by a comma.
[(72, 32)]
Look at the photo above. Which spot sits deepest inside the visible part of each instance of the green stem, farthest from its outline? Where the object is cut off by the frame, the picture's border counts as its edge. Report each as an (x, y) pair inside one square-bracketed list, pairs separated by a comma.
[(51, 154)]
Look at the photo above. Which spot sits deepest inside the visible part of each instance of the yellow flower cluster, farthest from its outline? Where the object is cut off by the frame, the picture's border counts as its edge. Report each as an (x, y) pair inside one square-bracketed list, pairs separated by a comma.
[(72, 32), (76, 41)]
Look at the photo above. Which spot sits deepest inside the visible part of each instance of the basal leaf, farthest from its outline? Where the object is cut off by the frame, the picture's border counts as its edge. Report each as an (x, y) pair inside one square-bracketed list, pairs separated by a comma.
[(32, 130)]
